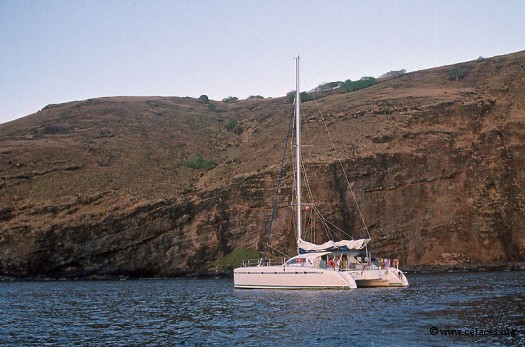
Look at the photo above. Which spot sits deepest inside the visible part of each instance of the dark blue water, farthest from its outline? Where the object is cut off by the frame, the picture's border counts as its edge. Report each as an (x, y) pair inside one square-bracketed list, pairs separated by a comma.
[(210, 312)]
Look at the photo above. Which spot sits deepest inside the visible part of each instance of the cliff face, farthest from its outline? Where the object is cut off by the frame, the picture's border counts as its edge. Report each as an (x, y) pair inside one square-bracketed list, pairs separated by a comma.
[(102, 186)]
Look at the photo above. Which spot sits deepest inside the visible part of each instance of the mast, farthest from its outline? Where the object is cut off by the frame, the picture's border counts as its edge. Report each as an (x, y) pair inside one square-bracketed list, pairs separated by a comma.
[(298, 148)]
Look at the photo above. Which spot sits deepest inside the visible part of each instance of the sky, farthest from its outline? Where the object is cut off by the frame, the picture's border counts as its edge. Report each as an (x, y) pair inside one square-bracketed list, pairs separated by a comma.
[(54, 51)]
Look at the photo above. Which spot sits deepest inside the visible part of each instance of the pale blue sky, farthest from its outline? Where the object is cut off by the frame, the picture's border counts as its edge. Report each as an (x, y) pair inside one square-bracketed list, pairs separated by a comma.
[(60, 51)]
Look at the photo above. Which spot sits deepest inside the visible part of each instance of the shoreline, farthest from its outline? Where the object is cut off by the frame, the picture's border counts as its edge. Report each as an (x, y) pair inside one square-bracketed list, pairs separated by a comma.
[(479, 267), (415, 269)]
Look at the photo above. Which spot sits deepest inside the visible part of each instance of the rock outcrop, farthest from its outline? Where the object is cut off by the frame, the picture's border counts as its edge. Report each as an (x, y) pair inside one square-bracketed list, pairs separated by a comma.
[(103, 187)]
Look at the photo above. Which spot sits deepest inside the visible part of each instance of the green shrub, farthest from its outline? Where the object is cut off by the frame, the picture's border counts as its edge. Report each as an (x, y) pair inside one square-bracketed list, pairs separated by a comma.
[(255, 97), (459, 72), (197, 161), (209, 165), (204, 99), (235, 258), (291, 96), (345, 87), (364, 82), (230, 99), (305, 96), (230, 123), (212, 107), (51, 129)]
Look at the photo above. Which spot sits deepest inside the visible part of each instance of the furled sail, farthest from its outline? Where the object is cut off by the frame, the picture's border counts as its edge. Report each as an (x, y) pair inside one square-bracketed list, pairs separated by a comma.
[(344, 245)]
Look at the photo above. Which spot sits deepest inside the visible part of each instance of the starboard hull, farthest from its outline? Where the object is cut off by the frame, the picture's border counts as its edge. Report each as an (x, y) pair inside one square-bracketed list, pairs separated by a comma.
[(370, 278)]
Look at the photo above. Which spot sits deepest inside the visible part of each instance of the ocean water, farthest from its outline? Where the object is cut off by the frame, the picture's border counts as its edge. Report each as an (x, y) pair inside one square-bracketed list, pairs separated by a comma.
[(486, 308)]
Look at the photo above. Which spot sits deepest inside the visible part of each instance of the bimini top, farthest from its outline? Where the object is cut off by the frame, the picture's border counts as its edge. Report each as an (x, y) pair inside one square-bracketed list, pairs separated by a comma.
[(344, 245)]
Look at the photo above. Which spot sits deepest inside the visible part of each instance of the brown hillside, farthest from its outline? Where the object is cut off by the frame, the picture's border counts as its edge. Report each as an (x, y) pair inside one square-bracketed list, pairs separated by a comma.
[(99, 187)]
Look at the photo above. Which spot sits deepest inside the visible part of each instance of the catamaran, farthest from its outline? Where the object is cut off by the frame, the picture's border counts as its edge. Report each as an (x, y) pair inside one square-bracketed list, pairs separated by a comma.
[(345, 264)]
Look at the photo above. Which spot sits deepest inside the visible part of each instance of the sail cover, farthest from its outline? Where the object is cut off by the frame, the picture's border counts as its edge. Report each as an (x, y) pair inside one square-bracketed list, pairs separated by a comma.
[(344, 245)]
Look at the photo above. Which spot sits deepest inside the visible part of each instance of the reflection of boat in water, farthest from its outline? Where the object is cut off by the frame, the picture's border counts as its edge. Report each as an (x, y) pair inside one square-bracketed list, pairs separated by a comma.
[(344, 264)]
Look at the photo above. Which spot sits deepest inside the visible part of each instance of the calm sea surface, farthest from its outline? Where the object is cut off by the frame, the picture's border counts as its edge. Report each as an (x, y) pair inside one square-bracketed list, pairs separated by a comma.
[(483, 308)]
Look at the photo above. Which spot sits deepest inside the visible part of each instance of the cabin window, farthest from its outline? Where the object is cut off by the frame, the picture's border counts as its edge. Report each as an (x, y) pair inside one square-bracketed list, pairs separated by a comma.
[(298, 261)]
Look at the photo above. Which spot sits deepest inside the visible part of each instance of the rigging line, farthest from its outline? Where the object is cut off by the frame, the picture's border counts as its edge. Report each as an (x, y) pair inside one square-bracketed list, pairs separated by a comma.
[(326, 226), (330, 232), (312, 199), (331, 226), (278, 251), (327, 229), (307, 184), (326, 223), (311, 217), (342, 168), (279, 183)]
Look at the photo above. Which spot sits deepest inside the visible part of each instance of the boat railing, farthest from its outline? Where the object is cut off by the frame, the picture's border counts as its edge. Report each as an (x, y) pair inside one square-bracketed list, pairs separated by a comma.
[(263, 262)]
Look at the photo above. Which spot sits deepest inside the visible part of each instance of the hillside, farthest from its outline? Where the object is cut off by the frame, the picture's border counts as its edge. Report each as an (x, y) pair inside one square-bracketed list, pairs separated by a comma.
[(100, 188)]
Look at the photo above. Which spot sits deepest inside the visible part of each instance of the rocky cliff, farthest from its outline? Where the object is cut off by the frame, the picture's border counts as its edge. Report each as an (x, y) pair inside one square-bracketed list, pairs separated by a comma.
[(108, 187)]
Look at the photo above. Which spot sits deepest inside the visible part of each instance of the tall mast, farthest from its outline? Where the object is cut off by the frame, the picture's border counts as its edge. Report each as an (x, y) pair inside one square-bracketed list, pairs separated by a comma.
[(298, 148)]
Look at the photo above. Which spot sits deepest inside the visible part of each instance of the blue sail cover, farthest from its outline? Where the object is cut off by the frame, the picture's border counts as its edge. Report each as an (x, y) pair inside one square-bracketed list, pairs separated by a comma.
[(344, 245)]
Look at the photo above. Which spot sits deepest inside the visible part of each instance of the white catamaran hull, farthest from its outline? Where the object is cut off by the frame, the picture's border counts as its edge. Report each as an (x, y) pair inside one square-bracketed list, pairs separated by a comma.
[(282, 277), (390, 277)]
